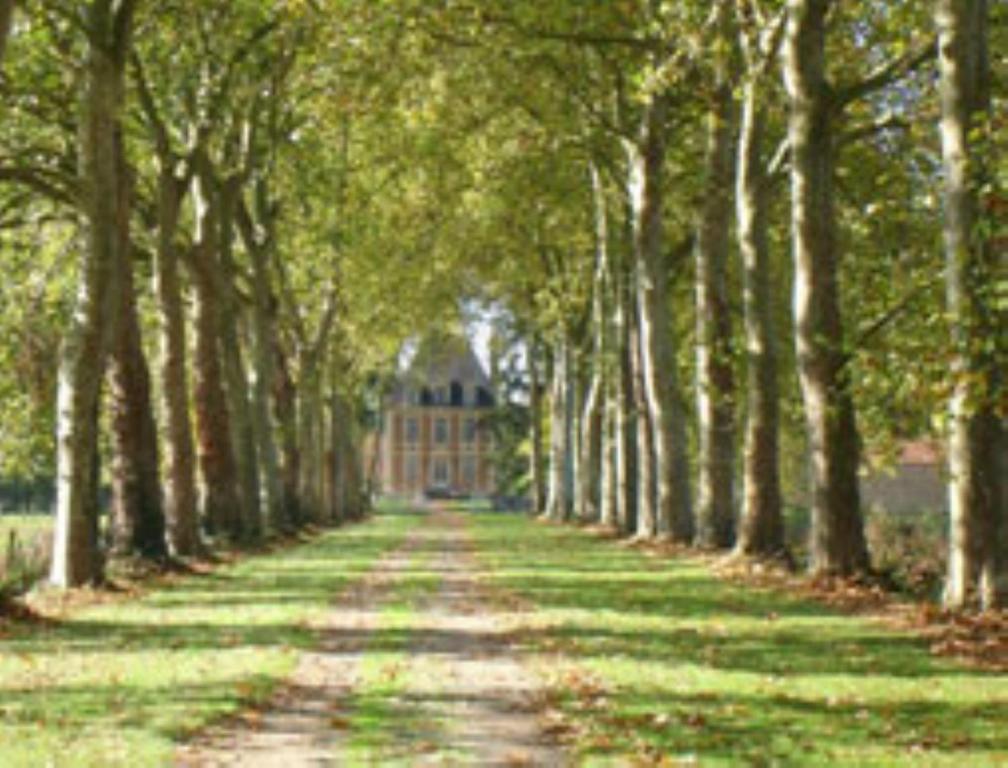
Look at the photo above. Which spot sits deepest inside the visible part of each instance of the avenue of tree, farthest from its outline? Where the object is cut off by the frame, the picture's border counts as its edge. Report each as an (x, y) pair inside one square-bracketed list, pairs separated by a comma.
[(746, 247)]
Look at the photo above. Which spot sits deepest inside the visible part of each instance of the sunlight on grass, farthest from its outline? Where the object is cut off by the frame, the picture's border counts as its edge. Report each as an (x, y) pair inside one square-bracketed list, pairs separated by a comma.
[(119, 684), (655, 657)]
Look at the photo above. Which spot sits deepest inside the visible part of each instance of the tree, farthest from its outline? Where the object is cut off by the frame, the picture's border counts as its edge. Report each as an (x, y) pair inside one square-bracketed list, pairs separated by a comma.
[(715, 364), (976, 496), (761, 528), (108, 28)]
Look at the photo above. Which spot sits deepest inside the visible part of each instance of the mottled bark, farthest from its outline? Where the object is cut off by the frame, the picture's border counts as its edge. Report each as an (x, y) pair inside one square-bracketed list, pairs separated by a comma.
[(232, 360), (715, 525), (761, 529), (626, 458), (264, 353), (593, 481), (337, 467), (310, 417), (647, 459), (180, 481), (220, 502), (837, 538), (558, 501), (590, 450), (76, 558), (646, 159), (137, 514), (976, 570), (286, 410), (536, 415)]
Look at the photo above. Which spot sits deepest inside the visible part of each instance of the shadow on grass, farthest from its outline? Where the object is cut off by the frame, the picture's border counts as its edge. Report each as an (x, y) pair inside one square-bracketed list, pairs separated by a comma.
[(191, 650), (780, 729), (695, 666)]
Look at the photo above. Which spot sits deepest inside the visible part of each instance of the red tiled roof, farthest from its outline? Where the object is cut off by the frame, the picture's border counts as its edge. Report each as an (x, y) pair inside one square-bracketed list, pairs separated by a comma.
[(921, 452)]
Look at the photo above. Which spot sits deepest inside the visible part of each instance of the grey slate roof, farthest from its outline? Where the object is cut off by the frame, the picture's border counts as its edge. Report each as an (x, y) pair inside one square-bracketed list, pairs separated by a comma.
[(439, 362)]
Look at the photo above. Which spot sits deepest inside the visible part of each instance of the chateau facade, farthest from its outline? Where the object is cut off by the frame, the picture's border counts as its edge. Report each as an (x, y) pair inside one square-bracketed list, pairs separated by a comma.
[(434, 439)]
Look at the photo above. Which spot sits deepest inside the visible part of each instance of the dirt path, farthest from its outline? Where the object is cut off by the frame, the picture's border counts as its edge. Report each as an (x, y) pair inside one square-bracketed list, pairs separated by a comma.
[(454, 693)]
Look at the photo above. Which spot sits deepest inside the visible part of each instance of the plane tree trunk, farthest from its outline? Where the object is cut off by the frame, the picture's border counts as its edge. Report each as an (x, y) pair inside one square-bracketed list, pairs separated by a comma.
[(837, 537), (232, 359), (76, 558), (976, 570), (220, 502), (180, 501), (138, 523), (715, 375), (646, 160), (761, 528)]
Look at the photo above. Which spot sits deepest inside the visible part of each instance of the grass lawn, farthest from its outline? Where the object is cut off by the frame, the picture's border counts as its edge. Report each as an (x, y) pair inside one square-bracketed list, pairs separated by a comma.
[(24, 526), (118, 684), (655, 657)]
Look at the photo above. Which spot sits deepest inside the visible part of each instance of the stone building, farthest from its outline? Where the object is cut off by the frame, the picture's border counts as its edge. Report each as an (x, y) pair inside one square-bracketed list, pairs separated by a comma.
[(916, 483), (434, 439)]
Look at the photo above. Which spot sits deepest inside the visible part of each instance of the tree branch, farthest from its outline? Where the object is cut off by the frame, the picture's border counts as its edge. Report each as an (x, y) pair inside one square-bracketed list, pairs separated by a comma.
[(162, 139), (887, 73), (122, 28), (887, 122), (6, 19), (52, 185)]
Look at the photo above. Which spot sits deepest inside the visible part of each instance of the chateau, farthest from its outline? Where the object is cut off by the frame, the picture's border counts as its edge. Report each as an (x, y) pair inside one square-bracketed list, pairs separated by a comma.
[(434, 439)]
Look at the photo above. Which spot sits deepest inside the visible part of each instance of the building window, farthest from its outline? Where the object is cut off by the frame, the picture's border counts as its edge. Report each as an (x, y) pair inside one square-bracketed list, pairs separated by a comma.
[(440, 472), (469, 431), (412, 431), (412, 475), (469, 472), (441, 431)]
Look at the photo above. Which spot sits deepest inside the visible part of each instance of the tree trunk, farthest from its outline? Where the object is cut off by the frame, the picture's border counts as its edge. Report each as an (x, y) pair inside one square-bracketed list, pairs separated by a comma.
[(761, 532), (76, 559), (310, 417), (976, 564), (558, 502), (590, 486), (837, 537), (715, 375), (535, 409), (180, 486), (286, 410), (608, 441), (237, 390), (646, 158), (6, 22), (647, 459), (264, 361), (219, 497), (626, 458), (138, 523)]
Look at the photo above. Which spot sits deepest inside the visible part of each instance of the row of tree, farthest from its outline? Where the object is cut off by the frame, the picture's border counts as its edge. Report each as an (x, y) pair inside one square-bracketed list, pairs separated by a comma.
[(159, 143), (691, 129), (318, 181)]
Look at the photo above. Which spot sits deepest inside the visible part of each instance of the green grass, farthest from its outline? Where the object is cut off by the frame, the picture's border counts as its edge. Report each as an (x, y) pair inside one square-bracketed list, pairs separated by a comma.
[(660, 658), (24, 526), (25, 546), (120, 684)]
